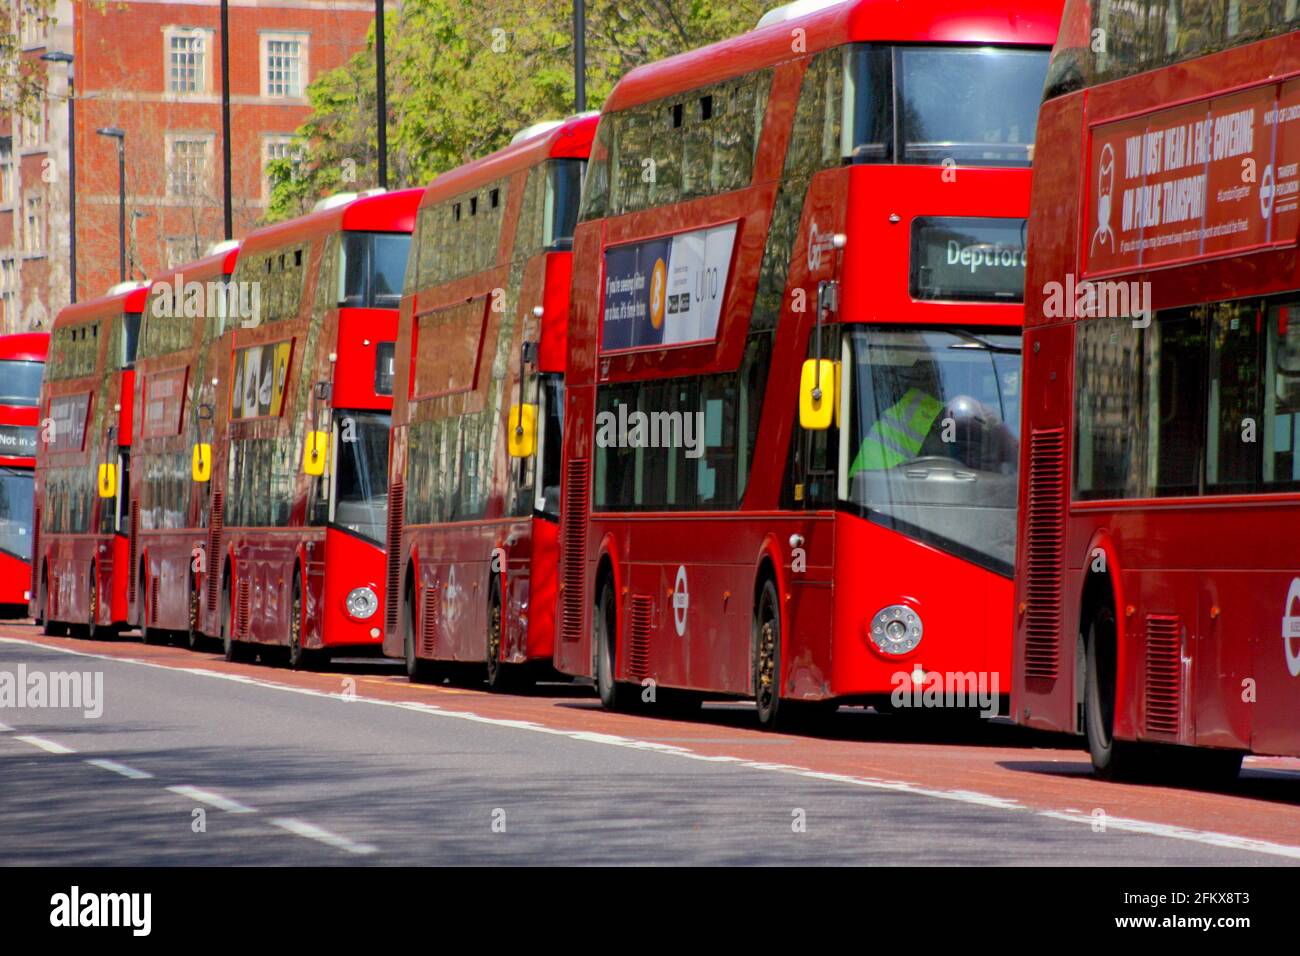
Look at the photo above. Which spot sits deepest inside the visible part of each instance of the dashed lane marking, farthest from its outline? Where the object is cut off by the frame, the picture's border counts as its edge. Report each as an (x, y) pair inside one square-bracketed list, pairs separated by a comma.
[(49, 746), (121, 769), (211, 799)]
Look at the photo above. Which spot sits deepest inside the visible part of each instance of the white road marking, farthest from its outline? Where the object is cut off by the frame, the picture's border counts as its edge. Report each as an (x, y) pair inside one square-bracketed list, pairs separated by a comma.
[(312, 832), (1226, 840), (211, 799), (1204, 837), (120, 768), (5, 728), (49, 746)]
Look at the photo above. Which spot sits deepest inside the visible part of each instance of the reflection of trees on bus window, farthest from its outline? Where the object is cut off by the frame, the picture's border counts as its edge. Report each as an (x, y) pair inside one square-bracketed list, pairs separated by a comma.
[(20, 382), (1205, 401), (361, 473), (16, 512)]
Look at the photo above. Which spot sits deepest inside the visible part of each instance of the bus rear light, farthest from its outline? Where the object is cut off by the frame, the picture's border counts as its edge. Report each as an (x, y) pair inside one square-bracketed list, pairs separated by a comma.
[(362, 603), (896, 630)]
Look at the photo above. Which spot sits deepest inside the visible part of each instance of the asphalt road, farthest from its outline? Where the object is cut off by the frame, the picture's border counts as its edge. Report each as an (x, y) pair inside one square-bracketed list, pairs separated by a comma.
[(194, 761)]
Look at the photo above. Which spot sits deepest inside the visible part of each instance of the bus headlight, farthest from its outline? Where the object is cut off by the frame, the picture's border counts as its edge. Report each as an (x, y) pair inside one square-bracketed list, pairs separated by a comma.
[(896, 630), (362, 603)]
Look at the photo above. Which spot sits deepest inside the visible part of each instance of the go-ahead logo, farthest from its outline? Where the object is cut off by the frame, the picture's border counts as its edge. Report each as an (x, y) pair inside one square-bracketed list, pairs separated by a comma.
[(1291, 629)]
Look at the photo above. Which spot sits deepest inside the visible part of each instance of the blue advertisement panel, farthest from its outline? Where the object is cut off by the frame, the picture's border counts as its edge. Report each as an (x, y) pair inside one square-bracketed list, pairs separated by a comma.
[(666, 291)]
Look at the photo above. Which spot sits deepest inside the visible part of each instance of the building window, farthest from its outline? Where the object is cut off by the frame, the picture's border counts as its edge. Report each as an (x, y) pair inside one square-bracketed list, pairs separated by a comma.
[(284, 64), (33, 26), (31, 126), (34, 224), (182, 249), (188, 165), (6, 171), (8, 294), (277, 146), (187, 60)]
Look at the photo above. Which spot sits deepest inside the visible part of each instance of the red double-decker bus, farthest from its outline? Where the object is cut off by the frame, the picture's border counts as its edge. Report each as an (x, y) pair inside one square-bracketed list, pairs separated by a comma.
[(22, 361), (793, 378), (175, 404), (295, 550), (1160, 599), (83, 466), (475, 470)]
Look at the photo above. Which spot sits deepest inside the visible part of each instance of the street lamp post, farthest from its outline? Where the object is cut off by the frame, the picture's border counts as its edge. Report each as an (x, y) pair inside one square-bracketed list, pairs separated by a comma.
[(119, 134), (227, 210), (381, 96), (60, 57), (580, 55)]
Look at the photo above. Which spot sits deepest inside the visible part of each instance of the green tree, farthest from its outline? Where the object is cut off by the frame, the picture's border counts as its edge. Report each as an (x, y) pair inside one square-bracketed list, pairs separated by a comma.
[(22, 81), (463, 77)]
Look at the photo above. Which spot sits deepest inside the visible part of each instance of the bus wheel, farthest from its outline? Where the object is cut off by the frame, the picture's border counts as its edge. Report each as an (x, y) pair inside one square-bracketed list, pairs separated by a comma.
[(418, 671), (49, 628), (193, 639), (613, 694), (93, 630), (299, 657), (1111, 759), (500, 676), (232, 649), (767, 656)]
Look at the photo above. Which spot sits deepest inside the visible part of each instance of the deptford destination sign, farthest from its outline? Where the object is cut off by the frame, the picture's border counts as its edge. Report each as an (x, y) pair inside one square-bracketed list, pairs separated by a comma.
[(1210, 178), (666, 291)]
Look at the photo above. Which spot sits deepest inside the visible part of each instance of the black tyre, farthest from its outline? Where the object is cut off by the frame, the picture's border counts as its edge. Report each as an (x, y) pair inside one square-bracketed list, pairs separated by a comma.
[(418, 671), (232, 649), (1111, 759), (93, 630), (501, 677), (614, 695), (299, 657), (193, 636), (767, 657), (49, 628)]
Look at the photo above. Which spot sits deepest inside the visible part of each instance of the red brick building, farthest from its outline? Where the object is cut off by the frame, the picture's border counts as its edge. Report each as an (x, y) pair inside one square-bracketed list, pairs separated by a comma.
[(153, 70)]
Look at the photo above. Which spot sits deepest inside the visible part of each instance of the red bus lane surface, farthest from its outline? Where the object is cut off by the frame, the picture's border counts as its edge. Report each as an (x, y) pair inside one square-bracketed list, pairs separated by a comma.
[(988, 765)]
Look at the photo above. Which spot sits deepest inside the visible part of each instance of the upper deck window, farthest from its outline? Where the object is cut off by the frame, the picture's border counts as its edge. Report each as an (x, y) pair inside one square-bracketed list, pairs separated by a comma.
[(459, 237), (371, 269), (692, 144), (74, 351), (975, 106), (20, 382), (1103, 40)]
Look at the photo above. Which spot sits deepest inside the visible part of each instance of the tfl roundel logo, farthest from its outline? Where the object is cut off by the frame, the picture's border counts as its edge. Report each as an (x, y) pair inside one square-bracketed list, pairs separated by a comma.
[(1291, 628)]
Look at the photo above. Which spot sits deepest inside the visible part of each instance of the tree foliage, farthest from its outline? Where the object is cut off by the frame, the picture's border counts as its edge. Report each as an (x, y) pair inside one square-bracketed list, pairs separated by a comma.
[(463, 77), (22, 81)]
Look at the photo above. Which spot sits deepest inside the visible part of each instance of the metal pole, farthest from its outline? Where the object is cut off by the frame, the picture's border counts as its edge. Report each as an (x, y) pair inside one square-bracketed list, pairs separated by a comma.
[(72, 188), (580, 54), (228, 210), (381, 95), (121, 208)]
